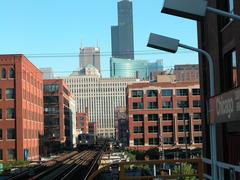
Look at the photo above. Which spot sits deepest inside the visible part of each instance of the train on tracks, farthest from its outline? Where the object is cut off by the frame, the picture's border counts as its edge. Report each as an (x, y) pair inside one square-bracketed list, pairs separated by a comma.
[(89, 141)]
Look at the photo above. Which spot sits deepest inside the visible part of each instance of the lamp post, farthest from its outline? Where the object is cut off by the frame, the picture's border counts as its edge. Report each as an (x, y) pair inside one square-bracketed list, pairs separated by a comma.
[(171, 45), (195, 10)]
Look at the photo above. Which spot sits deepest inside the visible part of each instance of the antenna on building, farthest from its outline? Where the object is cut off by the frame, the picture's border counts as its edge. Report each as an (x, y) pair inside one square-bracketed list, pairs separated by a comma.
[(81, 43), (97, 43)]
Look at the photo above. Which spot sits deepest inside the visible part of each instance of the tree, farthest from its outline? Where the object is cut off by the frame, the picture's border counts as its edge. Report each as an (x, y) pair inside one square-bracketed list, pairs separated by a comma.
[(184, 169)]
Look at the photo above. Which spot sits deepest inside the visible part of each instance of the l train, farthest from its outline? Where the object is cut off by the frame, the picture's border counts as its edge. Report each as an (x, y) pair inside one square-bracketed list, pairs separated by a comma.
[(86, 141)]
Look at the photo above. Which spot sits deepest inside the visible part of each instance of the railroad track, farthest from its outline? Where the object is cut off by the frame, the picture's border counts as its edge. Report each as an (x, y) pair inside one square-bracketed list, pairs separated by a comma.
[(76, 165), (41, 167), (68, 167)]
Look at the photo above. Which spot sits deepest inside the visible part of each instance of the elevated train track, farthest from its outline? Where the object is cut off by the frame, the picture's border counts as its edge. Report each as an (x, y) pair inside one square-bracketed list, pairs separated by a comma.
[(77, 165)]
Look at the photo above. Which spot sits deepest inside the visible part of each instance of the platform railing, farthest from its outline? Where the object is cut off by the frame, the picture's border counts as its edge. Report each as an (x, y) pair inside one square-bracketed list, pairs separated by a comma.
[(152, 169), (225, 171)]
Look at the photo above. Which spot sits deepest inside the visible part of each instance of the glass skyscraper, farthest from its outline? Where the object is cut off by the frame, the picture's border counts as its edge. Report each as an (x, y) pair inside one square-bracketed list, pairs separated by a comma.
[(129, 68), (122, 34)]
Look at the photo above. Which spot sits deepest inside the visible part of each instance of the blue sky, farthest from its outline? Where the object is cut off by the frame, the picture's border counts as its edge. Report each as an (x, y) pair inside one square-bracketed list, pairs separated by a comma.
[(59, 26)]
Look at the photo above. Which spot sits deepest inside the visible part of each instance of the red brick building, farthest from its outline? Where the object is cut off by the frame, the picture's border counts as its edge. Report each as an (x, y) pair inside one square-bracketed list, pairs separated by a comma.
[(156, 115), (21, 108), (57, 116), (82, 123), (187, 72)]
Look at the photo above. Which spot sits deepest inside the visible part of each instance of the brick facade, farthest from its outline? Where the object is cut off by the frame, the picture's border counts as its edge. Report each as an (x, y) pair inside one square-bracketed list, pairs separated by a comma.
[(82, 123), (57, 116), (21, 108), (155, 115)]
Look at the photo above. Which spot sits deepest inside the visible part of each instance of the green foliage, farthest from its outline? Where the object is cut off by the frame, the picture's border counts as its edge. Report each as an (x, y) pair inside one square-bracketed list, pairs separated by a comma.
[(185, 169), (7, 166), (153, 153)]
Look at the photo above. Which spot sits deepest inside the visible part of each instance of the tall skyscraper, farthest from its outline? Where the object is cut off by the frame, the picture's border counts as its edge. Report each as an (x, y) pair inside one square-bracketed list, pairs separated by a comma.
[(122, 34), (90, 55)]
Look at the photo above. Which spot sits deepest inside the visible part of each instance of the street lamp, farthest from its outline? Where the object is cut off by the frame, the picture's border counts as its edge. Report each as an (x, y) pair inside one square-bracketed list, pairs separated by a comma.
[(171, 45), (168, 44), (193, 9), (196, 10)]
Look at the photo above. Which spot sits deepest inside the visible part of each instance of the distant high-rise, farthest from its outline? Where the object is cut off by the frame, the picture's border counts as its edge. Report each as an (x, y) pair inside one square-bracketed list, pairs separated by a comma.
[(122, 34), (90, 55), (47, 73)]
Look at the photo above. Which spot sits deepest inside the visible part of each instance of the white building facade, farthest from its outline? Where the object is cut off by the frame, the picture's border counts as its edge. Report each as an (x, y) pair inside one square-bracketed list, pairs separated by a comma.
[(99, 96)]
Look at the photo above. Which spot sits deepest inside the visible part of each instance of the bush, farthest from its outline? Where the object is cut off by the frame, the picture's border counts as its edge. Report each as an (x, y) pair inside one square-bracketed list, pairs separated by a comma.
[(186, 169)]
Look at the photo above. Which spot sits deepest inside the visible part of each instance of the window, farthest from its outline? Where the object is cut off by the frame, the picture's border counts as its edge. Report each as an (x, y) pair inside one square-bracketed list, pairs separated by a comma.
[(11, 73), (198, 139), (138, 129), (167, 116), (167, 129), (10, 93), (196, 115), (168, 140), (51, 99), (152, 105), (231, 6), (0, 134), (153, 141), (234, 69), (152, 129), (182, 104), (167, 105), (138, 141), (152, 117), (3, 73), (182, 92), (52, 88), (182, 116), (1, 155), (167, 92), (10, 113), (196, 103), (138, 117), (11, 154), (0, 113), (197, 127), (181, 128), (152, 93), (181, 140), (11, 134), (138, 105), (0, 93), (229, 76), (195, 92), (137, 93), (81, 124)]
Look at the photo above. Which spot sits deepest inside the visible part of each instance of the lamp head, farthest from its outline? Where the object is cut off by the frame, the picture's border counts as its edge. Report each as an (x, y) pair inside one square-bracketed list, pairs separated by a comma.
[(191, 9), (163, 43)]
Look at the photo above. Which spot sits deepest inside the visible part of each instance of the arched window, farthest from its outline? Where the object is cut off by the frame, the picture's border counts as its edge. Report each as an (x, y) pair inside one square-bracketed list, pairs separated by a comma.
[(3, 73), (11, 73)]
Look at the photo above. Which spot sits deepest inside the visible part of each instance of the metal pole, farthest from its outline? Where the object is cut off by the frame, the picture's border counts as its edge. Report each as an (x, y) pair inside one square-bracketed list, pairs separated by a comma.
[(212, 125), (223, 13)]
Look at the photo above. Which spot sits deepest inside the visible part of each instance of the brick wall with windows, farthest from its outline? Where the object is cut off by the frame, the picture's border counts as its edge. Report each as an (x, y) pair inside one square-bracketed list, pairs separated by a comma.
[(156, 115), (21, 108), (57, 116)]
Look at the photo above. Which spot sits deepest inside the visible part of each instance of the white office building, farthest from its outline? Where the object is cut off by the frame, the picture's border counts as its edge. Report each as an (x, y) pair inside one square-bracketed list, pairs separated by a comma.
[(100, 96)]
